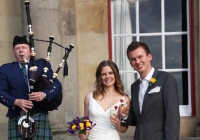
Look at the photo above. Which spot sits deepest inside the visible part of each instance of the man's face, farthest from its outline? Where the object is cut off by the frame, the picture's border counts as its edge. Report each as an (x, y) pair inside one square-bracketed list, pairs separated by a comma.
[(140, 61), (22, 51)]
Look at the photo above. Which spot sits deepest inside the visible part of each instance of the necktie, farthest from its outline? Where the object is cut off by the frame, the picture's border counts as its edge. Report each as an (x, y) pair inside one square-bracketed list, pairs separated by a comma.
[(23, 68)]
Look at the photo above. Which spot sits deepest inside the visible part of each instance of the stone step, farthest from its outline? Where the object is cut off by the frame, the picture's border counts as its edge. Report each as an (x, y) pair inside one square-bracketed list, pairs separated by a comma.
[(189, 138), (181, 138), (128, 135), (74, 137)]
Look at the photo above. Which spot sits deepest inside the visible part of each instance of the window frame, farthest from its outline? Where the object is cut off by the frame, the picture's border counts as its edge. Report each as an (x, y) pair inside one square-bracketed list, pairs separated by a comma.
[(191, 63)]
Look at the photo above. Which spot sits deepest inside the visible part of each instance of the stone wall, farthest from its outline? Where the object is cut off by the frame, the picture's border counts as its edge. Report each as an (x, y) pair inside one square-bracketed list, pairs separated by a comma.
[(83, 23), (92, 42)]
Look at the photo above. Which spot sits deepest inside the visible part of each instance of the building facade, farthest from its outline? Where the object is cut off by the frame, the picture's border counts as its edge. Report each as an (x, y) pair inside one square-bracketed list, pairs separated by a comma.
[(100, 30)]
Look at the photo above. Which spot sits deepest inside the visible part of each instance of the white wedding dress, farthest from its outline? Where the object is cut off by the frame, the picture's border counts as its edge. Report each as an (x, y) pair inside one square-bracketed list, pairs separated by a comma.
[(104, 130)]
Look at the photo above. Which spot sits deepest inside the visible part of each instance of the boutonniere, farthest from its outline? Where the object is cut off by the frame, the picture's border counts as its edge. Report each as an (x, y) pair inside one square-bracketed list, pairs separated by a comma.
[(152, 81)]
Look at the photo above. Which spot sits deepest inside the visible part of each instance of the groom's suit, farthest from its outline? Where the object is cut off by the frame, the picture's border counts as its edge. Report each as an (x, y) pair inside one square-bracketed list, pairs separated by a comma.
[(159, 118)]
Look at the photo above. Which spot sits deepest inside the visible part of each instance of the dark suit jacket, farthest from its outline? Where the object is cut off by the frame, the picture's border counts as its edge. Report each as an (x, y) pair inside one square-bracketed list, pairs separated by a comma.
[(159, 119), (13, 86)]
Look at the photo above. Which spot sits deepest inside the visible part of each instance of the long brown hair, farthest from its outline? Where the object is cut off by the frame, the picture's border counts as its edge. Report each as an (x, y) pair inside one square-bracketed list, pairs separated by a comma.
[(99, 87)]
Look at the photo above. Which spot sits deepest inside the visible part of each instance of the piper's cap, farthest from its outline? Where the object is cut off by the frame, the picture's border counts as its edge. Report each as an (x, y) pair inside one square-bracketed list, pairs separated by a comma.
[(20, 40)]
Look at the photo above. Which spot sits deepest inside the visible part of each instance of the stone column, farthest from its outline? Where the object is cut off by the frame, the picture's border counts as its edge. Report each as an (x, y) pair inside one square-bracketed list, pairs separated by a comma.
[(46, 21)]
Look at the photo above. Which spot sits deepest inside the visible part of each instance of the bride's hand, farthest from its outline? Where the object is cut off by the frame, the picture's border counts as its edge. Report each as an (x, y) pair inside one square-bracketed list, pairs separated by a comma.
[(84, 136), (115, 120)]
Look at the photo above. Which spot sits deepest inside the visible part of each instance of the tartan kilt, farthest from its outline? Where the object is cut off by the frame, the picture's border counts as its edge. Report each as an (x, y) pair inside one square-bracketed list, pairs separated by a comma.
[(43, 128)]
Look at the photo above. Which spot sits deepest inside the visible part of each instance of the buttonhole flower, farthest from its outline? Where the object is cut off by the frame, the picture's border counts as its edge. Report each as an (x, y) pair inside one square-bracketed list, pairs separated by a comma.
[(152, 81)]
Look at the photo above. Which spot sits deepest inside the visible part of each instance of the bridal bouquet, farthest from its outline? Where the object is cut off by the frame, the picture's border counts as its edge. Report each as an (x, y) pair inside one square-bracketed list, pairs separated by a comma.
[(80, 125)]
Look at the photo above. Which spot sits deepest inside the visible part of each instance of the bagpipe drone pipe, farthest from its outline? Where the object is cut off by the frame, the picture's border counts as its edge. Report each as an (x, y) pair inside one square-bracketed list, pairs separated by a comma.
[(38, 81)]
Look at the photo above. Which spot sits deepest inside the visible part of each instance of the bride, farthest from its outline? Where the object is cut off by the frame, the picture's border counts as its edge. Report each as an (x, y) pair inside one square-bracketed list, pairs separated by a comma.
[(107, 96)]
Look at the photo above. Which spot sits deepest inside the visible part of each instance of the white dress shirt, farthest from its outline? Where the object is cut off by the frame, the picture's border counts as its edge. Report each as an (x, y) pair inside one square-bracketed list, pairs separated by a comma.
[(143, 87)]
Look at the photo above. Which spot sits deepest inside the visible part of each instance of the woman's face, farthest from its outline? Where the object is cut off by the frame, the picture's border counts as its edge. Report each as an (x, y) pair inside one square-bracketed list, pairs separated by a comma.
[(107, 76)]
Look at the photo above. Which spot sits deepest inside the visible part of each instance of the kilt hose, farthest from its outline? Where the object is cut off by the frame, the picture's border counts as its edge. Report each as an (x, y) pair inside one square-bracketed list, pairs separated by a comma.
[(43, 128)]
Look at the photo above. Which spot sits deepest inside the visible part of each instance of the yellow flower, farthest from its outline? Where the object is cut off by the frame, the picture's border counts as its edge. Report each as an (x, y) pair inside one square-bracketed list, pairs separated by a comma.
[(73, 127), (152, 81), (88, 124), (81, 126)]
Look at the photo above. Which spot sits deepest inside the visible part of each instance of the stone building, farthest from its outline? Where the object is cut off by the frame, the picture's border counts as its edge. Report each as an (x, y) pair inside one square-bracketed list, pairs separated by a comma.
[(98, 29)]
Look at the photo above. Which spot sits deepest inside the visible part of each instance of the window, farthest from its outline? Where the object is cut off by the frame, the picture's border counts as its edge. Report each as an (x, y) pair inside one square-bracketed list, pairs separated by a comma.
[(164, 26)]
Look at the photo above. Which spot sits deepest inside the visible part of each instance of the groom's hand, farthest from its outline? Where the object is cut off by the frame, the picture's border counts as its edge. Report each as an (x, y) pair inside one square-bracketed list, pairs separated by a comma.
[(123, 114)]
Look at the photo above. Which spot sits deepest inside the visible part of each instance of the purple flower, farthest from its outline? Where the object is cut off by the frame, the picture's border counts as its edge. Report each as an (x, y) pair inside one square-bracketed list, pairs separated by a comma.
[(80, 125)]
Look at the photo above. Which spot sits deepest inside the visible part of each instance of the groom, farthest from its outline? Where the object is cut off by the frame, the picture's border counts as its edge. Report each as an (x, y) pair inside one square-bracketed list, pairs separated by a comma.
[(155, 106)]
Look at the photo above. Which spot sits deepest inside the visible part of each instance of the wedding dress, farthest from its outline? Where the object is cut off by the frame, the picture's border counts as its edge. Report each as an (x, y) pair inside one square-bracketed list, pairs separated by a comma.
[(104, 130)]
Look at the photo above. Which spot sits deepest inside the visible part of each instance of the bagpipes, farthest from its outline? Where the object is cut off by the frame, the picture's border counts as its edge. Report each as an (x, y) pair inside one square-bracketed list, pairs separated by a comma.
[(39, 82)]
